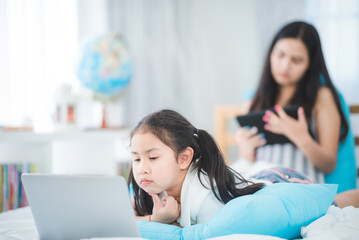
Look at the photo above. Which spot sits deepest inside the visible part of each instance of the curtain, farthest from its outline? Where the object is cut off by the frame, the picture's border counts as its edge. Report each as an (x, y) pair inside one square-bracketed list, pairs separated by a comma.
[(38, 46), (338, 26), (188, 55)]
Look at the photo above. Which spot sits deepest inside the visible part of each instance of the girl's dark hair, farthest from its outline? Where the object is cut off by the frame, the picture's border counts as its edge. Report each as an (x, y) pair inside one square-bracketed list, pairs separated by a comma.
[(178, 133), (315, 76)]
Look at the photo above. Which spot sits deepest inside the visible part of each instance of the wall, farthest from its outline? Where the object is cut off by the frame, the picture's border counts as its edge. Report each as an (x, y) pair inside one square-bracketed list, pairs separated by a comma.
[(192, 55)]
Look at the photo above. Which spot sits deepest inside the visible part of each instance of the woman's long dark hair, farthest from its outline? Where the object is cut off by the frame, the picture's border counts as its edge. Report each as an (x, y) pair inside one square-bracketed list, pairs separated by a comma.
[(178, 133), (307, 89)]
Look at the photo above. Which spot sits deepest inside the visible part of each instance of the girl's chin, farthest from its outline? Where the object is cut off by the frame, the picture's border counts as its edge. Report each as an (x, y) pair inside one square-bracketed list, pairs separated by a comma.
[(151, 191)]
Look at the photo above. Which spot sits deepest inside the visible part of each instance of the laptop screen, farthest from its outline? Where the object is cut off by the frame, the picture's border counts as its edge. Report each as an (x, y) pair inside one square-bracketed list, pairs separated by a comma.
[(75, 207)]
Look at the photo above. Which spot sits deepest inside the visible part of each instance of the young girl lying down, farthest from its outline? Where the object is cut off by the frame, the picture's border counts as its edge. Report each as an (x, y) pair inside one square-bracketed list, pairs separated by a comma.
[(179, 175)]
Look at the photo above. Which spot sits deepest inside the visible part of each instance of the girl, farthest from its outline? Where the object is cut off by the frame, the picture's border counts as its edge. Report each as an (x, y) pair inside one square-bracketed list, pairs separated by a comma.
[(295, 74), (184, 166), (179, 175)]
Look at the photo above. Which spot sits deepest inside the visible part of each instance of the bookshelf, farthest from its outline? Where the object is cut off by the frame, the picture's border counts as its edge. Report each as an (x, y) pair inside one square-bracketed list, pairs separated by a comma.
[(100, 152)]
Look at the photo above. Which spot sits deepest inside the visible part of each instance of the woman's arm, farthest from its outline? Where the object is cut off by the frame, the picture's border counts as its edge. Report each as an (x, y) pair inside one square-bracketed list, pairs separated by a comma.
[(322, 153), (248, 139)]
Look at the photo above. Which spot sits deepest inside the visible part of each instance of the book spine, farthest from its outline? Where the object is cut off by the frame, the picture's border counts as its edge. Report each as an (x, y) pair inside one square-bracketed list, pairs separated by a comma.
[(5, 189), (12, 193), (20, 189), (15, 203), (1, 187)]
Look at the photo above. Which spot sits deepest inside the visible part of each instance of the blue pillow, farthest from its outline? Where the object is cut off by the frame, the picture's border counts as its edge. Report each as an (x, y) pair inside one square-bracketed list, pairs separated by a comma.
[(279, 210)]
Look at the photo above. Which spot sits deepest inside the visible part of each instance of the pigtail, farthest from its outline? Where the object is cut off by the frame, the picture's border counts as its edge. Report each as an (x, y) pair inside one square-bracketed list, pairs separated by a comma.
[(224, 181)]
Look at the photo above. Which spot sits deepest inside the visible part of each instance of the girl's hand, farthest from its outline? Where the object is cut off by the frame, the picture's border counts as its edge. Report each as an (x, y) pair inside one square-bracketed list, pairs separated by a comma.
[(247, 141), (165, 213), (283, 124)]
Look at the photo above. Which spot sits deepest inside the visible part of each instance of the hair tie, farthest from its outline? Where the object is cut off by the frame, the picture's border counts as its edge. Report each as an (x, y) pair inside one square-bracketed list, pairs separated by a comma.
[(195, 134)]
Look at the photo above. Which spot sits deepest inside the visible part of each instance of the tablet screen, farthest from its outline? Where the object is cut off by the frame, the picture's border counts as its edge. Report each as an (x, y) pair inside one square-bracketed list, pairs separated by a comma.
[(255, 119)]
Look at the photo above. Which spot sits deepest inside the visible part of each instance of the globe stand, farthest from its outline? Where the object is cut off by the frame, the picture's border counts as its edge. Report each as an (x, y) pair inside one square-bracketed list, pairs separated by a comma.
[(104, 113)]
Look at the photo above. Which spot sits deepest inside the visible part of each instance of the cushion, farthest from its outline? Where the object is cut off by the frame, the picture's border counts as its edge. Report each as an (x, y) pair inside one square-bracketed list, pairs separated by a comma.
[(279, 210)]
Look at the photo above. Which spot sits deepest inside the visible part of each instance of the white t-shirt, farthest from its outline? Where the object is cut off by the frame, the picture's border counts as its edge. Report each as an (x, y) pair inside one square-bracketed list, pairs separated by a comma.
[(198, 203)]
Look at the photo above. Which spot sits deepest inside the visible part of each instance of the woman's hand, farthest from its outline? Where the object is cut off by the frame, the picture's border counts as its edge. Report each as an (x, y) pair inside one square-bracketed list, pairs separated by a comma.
[(165, 213), (295, 130), (247, 141)]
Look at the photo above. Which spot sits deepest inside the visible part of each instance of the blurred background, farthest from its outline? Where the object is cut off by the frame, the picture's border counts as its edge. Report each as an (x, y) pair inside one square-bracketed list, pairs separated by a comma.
[(77, 75), (187, 55)]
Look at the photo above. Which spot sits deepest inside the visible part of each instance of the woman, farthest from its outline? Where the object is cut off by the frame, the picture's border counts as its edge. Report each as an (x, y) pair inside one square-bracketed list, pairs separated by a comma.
[(295, 73)]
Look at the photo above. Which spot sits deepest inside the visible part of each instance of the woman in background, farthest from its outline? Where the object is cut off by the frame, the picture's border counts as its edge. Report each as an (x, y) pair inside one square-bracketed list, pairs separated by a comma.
[(295, 73)]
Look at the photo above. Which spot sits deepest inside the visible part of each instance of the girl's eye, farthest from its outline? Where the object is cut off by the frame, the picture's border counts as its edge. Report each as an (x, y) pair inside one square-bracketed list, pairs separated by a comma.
[(153, 158), (136, 160)]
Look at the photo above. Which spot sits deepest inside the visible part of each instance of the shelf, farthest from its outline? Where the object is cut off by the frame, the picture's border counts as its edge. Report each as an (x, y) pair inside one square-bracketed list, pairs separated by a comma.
[(92, 135), (71, 152)]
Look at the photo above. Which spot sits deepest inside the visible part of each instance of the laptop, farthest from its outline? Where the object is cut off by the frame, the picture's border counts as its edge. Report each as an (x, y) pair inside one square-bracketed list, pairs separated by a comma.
[(80, 207)]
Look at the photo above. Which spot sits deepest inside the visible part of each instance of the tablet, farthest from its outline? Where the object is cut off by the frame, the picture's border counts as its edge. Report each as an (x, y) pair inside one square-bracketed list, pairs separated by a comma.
[(255, 119)]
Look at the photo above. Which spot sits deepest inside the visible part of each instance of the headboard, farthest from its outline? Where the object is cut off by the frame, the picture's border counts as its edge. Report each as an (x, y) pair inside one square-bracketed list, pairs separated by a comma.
[(225, 138)]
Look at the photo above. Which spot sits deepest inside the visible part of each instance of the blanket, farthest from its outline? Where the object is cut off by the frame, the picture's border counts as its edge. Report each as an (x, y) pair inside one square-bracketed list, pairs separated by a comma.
[(337, 223)]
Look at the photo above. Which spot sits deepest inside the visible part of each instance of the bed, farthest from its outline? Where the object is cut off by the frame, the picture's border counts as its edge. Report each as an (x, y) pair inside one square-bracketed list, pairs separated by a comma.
[(290, 214), (335, 224)]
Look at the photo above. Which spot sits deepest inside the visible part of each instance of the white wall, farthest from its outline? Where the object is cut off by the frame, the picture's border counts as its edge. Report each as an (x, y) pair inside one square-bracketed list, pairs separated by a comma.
[(208, 52)]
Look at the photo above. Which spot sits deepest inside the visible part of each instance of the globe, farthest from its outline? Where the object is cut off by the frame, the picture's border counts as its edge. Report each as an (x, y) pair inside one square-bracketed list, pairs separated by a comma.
[(105, 66)]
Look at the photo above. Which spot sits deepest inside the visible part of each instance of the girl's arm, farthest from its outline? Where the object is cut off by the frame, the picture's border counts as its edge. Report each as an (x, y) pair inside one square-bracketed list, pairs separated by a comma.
[(143, 218), (167, 213)]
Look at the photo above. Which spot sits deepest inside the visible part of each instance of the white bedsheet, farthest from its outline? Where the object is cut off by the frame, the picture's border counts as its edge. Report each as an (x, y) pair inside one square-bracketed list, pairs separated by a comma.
[(335, 224), (18, 225)]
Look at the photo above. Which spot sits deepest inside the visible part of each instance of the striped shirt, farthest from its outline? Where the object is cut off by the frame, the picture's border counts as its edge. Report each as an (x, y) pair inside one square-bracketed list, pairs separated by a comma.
[(288, 155)]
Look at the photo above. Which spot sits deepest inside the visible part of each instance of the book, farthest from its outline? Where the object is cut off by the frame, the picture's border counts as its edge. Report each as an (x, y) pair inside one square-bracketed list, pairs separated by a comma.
[(12, 193)]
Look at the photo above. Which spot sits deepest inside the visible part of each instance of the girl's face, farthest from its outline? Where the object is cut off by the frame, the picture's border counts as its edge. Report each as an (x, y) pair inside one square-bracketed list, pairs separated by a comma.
[(155, 167), (289, 61)]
